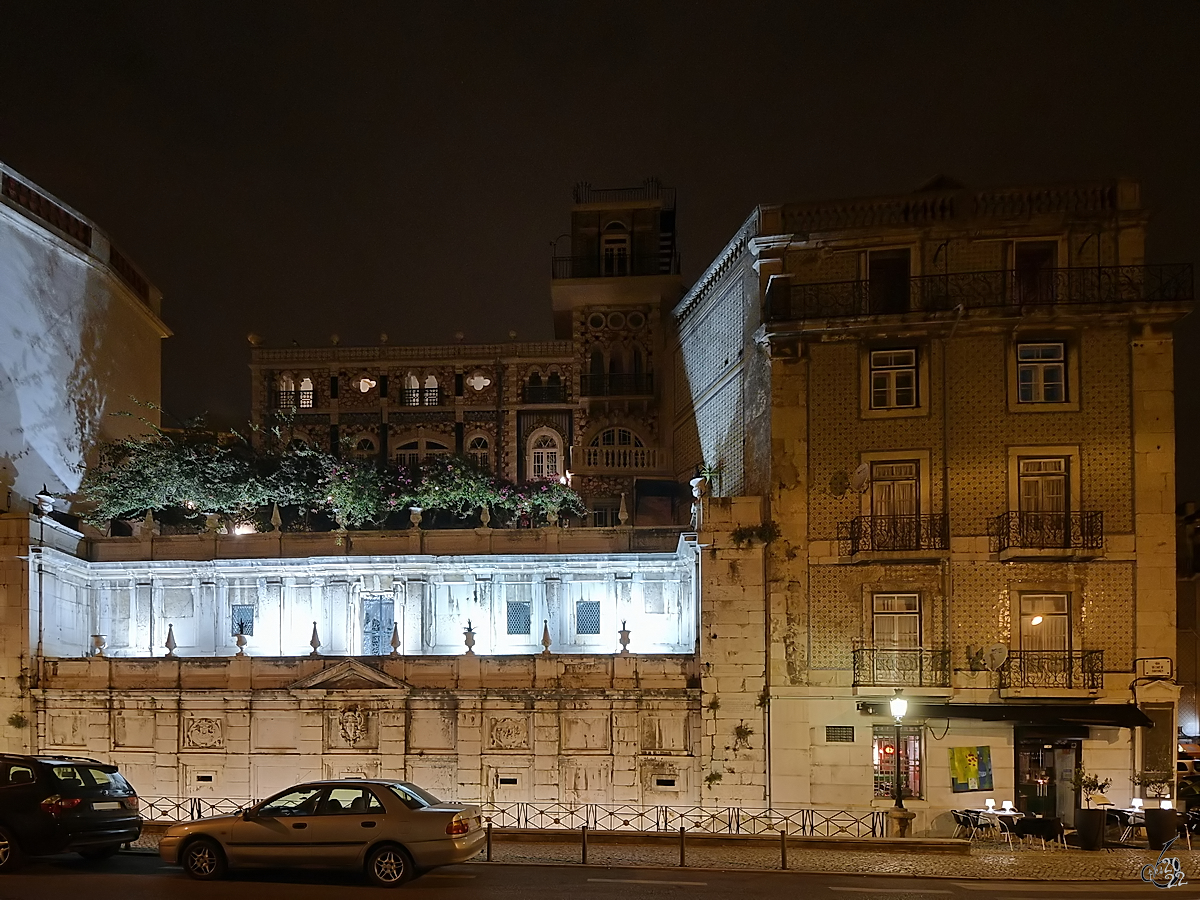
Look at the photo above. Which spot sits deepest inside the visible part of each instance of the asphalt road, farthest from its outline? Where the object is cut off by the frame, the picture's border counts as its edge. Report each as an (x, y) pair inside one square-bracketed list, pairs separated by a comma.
[(129, 877)]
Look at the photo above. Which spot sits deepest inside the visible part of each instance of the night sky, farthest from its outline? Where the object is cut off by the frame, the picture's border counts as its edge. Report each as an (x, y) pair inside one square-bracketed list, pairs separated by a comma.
[(302, 169)]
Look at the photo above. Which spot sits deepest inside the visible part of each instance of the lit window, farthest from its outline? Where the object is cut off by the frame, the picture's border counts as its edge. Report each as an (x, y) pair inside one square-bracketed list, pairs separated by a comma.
[(1041, 373), (306, 393), (896, 621), (1045, 622), (587, 617), (242, 620), (616, 437), (893, 379), (545, 455), (365, 384), (518, 608), (478, 381), (884, 754)]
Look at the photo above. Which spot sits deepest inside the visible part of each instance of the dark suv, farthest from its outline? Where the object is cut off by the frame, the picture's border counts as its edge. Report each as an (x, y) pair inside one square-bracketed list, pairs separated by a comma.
[(52, 804)]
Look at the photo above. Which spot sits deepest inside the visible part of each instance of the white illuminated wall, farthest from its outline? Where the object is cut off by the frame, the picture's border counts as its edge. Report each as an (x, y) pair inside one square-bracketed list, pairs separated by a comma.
[(75, 345), (429, 600)]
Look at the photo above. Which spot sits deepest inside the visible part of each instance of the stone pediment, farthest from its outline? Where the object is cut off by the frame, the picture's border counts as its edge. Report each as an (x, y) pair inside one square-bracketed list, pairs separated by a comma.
[(349, 675)]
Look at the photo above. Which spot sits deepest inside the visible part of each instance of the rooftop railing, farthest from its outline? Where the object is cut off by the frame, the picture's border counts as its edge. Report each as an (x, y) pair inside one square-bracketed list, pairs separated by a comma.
[(999, 289)]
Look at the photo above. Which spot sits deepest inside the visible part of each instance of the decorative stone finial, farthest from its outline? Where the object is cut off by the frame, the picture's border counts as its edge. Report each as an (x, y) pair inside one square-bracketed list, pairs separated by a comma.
[(395, 641), (315, 643), (469, 638), (485, 516), (276, 519), (414, 516), (99, 642), (334, 339), (383, 338), (240, 640), (623, 512), (545, 637), (170, 641), (624, 633)]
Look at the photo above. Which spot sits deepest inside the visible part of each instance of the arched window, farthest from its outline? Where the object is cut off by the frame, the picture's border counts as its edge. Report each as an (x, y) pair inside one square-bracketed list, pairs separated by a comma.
[(431, 395), (553, 379), (307, 395), (616, 361), (638, 362), (616, 437), (414, 451), (364, 448), (545, 454), (614, 250), (596, 365), (479, 451)]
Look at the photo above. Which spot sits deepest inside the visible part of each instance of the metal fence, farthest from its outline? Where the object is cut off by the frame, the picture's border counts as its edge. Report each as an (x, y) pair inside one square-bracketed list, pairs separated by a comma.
[(601, 817)]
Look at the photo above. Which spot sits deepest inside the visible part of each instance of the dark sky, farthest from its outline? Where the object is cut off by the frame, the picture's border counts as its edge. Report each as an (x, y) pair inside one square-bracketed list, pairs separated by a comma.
[(299, 169)]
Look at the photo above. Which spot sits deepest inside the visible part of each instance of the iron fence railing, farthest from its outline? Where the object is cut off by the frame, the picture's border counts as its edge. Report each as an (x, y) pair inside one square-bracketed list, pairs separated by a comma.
[(545, 393), (651, 189), (633, 385), (615, 265), (600, 817), (984, 290), (293, 399), (881, 534), (916, 667), (1053, 669), (420, 396), (1047, 531)]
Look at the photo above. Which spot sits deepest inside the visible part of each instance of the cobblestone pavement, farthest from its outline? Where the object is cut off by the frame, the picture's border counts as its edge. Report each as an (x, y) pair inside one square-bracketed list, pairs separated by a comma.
[(984, 862)]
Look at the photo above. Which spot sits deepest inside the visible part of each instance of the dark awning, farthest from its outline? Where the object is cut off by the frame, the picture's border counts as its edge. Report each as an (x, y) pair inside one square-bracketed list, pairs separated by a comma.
[(1122, 715)]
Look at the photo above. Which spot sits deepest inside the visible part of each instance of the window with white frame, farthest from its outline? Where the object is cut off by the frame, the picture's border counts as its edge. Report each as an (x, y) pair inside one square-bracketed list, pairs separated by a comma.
[(606, 513), (1045, 622), (364, 447), (893, 379), (1042, 373), (896, 621), (479, 452), (1042, 484), (414, 452), (884, 756), (545, 454), (895, 489), (614, 249)]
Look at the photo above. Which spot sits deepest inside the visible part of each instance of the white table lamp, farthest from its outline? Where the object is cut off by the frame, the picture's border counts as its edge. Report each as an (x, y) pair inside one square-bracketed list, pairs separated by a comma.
[(1007, 805), (1136, 803), (1165, 803), (990, 804)]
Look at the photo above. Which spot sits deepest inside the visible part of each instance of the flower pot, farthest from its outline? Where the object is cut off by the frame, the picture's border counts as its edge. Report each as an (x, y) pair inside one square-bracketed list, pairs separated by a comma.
[(1161, 826), (1089, 824)]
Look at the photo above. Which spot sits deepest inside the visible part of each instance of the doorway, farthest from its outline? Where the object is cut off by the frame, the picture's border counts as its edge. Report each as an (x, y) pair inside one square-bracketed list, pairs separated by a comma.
[(1045, 767)]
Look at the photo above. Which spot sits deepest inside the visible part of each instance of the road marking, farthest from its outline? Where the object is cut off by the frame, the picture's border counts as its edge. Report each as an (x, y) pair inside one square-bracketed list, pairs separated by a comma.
[(643, 881), (867, 890)]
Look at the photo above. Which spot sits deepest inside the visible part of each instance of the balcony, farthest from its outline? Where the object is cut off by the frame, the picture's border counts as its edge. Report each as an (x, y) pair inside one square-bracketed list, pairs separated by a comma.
[(1050, 672), (425, 396), (1047, 535), (544, 393), (917, 667), (1000, 289), (879, 538), (597, 460), (293, 400), (615, 265), (639, 385)]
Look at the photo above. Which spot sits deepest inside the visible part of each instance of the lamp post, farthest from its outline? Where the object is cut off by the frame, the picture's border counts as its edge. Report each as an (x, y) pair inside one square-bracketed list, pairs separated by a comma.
[(898, 814), (899, 707)]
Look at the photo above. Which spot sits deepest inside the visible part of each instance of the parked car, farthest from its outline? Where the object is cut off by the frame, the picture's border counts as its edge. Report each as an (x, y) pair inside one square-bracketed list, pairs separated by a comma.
[(388, 829), (54, 804)]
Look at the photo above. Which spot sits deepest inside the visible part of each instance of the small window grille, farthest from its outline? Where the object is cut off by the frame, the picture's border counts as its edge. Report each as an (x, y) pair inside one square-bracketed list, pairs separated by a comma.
[(839, 734), (242, 620), (587, 617), (518, 616)]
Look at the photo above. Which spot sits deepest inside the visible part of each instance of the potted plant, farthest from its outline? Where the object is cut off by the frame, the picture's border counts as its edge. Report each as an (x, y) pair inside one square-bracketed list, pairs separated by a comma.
[(1089, 823), (1161, 824)]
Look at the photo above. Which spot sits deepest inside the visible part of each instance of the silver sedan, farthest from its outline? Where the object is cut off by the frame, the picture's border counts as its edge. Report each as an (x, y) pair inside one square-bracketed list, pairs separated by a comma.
[(389, 829)]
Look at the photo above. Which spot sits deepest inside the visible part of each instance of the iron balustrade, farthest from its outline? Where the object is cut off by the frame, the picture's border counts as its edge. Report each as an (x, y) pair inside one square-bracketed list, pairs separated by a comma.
[(620, 458), (294, 399), (545, 393), (1083, 669), (910, 667), (638, 385), (1003, 288), (1047, 531), (881, 534), (650, 190), (601, 816), (615, 265), (423, 396)]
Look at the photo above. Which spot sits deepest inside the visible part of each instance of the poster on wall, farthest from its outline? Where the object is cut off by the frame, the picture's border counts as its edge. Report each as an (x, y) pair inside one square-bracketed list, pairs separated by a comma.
[(970, 769)]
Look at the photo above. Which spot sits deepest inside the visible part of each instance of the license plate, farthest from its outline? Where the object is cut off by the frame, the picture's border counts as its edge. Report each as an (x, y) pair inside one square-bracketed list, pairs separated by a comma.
[(113, 804)]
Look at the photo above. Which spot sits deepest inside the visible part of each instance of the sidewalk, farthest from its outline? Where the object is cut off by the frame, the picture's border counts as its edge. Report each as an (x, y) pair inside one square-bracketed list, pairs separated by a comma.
[(985, 862)]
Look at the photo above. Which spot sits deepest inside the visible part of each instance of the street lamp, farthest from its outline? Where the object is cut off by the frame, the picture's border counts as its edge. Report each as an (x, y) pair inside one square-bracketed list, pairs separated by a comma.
[(899, 707)]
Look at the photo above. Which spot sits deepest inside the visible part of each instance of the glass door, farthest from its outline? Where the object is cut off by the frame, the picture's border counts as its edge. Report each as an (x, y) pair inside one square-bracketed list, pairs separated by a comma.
[(1045, 767)]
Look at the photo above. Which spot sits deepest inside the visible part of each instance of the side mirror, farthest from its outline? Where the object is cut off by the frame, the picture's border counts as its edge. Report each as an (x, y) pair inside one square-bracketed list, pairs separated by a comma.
[(248, 814)]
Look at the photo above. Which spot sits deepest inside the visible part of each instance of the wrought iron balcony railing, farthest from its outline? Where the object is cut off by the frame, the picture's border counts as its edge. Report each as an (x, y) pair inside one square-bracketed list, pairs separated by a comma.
[(619, 459), (984, 290), (917, 667), (1074, 531), (1073, 669), (423, 396), (545, 393), (615, 265), (293, 399), (639, 385), (882, 534)]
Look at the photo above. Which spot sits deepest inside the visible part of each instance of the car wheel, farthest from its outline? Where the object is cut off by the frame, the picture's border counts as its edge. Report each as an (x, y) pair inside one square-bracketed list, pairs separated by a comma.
[(10, 854), (204, 860), (389, 865), (98, 853)]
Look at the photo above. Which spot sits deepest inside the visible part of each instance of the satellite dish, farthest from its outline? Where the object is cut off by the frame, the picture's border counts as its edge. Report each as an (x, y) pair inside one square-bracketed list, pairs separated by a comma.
[(996, 656), (861, 478)]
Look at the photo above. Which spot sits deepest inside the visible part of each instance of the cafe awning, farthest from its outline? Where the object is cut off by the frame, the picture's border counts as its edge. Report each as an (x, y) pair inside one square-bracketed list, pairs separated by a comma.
[(1121, 715)]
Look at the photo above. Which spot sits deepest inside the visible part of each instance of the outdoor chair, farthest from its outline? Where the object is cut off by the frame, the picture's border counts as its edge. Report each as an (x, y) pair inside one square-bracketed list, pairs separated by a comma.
[(964, 824), (1047, 829)]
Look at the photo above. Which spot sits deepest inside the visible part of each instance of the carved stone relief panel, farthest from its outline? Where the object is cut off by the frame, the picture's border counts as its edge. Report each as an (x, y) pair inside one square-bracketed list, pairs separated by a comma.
[(66, 730), (351, 727), (507, 732), (202, 733), (586, 731)]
